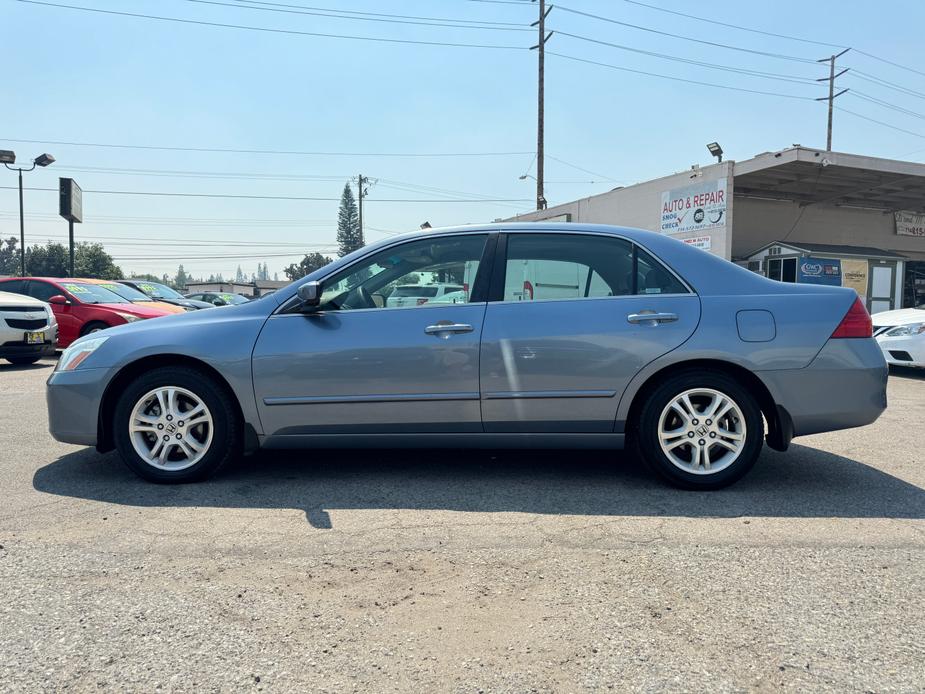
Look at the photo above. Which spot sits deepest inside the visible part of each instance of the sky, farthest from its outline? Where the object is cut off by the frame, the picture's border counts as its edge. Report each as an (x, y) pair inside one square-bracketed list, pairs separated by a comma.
[(443, 131)]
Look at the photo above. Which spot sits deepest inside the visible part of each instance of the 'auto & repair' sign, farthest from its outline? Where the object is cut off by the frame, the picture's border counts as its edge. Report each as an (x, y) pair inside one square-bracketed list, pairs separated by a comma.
[(697, 207)]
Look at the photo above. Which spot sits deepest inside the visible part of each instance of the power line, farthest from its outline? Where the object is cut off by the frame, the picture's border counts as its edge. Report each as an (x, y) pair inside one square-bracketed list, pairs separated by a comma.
[(681, 79), (265, 151), (587, 171), (887, 104), (291, 32), (713, 66), (866, 76), (880, 122), (715, 44), (383, 14), (267, 197), (733, 26), (771, 33), (325, 12)]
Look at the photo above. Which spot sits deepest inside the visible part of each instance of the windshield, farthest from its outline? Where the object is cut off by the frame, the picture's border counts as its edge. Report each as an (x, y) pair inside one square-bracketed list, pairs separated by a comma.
[(125, 291), (157, 290), (233, 298), (93, 293)]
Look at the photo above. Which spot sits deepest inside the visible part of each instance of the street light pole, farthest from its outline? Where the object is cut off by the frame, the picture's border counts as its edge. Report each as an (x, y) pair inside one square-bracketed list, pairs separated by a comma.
[(41, 160)]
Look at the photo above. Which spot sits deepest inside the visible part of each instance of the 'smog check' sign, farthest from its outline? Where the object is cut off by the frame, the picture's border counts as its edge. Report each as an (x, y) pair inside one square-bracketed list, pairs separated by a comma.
[(696, 207), (910, 224)]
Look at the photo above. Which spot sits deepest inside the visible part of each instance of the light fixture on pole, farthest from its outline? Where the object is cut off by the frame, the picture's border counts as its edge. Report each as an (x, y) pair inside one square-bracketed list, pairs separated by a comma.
[(43, 160), (716, 150), (541, 198)]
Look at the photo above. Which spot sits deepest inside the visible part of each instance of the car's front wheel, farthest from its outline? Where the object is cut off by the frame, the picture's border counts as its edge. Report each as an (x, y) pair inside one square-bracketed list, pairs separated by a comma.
[(700, 430), (174, 424)]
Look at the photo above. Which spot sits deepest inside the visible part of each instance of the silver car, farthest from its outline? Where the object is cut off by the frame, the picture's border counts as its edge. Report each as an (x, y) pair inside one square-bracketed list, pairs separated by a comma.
[(622, 337)]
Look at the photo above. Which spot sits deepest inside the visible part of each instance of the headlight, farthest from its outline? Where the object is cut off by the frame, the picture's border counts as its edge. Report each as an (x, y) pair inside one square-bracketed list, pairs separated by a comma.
[(907, 330), (74, 355), (129, 318)]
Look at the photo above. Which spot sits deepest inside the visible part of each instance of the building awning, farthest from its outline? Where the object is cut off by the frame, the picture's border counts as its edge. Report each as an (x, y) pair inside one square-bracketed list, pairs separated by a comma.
[(812, 177), (832, 249)]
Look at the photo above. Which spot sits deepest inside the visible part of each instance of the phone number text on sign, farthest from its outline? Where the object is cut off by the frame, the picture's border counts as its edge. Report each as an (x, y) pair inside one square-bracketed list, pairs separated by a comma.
[(694, 208)]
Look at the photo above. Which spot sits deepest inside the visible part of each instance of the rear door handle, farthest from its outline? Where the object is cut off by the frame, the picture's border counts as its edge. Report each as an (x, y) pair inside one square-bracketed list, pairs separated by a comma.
[(652, 318), (444, 330)]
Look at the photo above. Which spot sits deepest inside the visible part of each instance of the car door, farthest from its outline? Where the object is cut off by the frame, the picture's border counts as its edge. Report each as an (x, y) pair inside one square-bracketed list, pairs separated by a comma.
[(574, 317), (68, 316), (356, 365)]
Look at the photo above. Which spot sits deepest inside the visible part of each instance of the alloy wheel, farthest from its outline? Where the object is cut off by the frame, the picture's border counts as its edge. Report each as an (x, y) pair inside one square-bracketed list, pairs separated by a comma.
[(702, 431), (170, 428)]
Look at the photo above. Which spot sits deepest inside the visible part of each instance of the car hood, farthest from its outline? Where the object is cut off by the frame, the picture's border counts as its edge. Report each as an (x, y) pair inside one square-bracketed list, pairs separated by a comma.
[(11, 299), (164, 306), (899, 317), (140, 310)]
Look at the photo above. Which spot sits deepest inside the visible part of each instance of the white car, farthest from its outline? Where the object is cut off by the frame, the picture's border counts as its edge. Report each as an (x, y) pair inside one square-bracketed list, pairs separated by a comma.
[(28, 329), (417, 294), (901, 335)]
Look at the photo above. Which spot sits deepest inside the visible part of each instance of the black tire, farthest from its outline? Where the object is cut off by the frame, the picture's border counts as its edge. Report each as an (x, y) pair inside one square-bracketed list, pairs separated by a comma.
[(647, 432), (93, 326), (22, 361), (226, 435)]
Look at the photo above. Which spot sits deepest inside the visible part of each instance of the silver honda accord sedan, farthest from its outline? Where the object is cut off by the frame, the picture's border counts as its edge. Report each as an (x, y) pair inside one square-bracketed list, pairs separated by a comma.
[(556, 335)]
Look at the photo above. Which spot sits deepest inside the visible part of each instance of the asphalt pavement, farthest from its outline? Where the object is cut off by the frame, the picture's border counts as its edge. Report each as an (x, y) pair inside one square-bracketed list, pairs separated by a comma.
[(461, 571)]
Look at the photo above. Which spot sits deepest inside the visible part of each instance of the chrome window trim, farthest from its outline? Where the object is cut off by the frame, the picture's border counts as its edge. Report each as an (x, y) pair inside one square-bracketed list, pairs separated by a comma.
[(285, 305)]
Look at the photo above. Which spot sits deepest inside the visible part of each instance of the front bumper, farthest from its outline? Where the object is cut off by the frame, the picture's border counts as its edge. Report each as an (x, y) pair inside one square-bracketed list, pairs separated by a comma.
[(73, 399), (21, 349), (903, 351), (843, 387)]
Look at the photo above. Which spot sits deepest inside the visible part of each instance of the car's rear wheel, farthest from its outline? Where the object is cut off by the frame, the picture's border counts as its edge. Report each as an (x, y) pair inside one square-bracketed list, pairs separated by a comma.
[(700, 430), (174, 424)]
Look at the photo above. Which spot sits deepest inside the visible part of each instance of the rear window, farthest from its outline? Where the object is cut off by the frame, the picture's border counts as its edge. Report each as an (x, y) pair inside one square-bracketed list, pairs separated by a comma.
[(415, 290)]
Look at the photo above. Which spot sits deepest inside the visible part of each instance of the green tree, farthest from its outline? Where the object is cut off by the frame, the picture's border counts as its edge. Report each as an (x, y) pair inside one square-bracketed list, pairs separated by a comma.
[(9, 256), (349, 236), (308, 264), (239, 276), (50, 260), (92, 260), (181, 279)]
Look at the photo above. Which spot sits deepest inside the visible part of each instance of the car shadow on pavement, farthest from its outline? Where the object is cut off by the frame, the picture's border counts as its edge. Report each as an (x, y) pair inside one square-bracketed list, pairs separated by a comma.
[(805, 482), (37, 366)]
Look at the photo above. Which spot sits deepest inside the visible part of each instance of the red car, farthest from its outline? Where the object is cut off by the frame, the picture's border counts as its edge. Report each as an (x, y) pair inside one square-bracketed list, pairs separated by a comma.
[(80, 307)]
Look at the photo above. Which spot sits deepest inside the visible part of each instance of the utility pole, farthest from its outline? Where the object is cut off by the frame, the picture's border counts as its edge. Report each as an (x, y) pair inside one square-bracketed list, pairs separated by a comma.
[(22, 232), (832, 95), (540, 101), (361, 193)]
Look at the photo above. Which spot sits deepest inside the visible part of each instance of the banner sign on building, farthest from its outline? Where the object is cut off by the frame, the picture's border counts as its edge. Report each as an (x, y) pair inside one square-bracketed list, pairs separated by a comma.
[(696, 207), (820, 271), (910, 224), (704, 243), (854, 276)]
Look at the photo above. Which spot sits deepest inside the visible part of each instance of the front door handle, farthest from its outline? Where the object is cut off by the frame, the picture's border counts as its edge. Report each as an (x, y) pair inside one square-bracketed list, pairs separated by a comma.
[(652, 318), (444, 330)]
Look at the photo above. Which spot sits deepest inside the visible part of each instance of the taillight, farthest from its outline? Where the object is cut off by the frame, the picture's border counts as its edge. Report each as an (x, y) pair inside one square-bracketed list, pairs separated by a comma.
[(856, 322)]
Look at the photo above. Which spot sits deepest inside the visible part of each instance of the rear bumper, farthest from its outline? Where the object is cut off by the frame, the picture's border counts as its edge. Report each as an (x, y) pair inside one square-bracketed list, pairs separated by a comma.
[(843, 387), (73, 399)]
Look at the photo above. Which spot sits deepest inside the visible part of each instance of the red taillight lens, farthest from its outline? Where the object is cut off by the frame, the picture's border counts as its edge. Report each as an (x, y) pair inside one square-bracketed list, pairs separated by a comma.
[(856, 322)]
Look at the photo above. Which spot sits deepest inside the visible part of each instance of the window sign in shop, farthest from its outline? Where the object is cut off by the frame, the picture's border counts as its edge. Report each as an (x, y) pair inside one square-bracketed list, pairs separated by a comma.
[(820, 271), (854, 276)]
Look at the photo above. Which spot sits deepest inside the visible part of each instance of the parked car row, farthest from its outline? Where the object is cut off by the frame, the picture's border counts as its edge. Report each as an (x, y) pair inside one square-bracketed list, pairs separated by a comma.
[(78, 307)]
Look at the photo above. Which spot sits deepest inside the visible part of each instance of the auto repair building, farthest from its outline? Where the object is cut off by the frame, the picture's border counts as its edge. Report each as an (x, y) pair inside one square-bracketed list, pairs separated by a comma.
[(797, 215)]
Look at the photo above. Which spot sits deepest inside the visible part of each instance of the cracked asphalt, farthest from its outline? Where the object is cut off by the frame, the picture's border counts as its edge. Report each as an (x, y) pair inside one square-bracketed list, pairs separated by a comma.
[(463, 571)]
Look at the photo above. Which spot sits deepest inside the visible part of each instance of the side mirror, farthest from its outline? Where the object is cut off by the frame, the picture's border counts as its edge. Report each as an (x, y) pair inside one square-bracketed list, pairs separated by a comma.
[(310, 294), (59, 299)]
